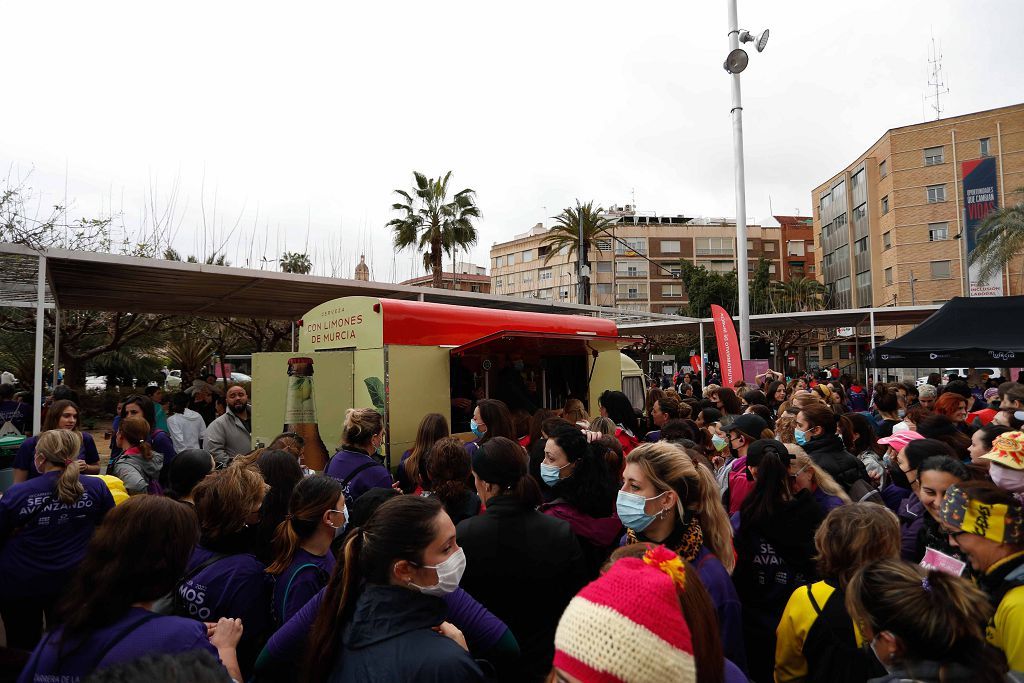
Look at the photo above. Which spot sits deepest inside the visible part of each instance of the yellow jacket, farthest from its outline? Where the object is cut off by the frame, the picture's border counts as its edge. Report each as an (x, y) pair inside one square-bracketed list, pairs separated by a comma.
[(797, 620), (116, 486), (1006, 629)]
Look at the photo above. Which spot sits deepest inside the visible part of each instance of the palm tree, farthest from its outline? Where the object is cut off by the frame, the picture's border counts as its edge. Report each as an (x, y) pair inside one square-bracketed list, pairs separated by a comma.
[(1000, 238), (565, 235), (434, 220), (798, 294), (294, 262)]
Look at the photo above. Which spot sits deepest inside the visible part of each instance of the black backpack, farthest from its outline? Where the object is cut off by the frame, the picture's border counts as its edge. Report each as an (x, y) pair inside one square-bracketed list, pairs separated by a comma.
[(830, 647)]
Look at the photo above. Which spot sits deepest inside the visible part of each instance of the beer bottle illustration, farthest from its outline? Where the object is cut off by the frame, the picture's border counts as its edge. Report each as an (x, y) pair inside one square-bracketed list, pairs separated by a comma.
[(300, 413)]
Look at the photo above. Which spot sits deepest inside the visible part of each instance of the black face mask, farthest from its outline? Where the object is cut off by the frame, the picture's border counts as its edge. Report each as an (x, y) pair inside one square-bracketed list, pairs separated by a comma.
[(899, 477)]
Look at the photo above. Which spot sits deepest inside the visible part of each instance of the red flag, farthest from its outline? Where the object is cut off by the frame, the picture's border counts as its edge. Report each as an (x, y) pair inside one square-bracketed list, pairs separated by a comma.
[(728, 347), (695, 363)]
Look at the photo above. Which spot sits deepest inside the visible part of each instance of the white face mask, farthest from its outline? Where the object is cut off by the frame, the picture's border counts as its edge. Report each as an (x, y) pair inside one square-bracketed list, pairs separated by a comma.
[(874, 651), (449, 574), (1007, 478), (340, 530)]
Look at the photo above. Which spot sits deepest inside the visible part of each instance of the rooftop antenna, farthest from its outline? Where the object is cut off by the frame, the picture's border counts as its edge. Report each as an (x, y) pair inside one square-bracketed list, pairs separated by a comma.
[(935, 80)]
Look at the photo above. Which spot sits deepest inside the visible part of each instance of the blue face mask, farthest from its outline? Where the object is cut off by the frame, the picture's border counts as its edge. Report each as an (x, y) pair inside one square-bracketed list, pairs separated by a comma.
[(718, 442), (800, 436), (476, 429), (551, 474), (631, 509)]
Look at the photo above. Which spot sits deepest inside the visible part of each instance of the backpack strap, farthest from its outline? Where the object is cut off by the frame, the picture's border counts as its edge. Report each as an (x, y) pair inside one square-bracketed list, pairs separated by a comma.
[(814, 603), (288, 587), (116, 640), (353, 473)]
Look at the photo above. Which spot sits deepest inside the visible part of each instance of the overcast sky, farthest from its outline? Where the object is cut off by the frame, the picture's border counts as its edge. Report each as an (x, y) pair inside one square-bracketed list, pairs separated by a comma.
[(298, 119)]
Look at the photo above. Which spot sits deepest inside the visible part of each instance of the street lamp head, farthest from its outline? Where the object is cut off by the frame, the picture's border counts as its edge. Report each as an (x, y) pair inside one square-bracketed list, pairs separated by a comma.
[(736, 62), (760, 41)]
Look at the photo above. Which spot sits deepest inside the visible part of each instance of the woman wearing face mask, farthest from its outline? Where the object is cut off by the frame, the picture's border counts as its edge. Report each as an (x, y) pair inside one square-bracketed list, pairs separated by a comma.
[(805, 475), (737, 482), (896, 484), (775, 551), (357, 465), (45, 525), (584, 493), (934, 477), (61, 415), (987, 524), (385, 619), (616, 405), (816, 433), (302, 561), (1007, 463), (524, 566), (667, 500), (923, 626), (491, 418), (223, 577)]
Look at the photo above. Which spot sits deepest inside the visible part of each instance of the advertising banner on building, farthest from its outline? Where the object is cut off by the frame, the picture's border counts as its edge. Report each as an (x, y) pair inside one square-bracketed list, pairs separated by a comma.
[(981, 197), (728, 347)]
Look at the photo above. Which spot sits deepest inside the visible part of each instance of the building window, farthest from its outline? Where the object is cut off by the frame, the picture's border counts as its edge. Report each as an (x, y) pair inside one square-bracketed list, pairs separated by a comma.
[(714, 246), (984, 147), (826, 353), (933, 156), (811, 269), (886, 240), (511, 259), (671, 290), (499, 261), (512, 278), (670, 246), (885, 205), (544, 293), (474, 288), (938, 232), (883, 168), (771, 268), (856, 179), (750, 245), (860, 246), (768, 246), (864, 279), (941, 270), (631, 246), (839, 191), (527, 277), (936, 194), (631, 268), (604, 266), (810, 247), (888, 275), (860, 212), (528, 256), (563, 294), (603, 244), (498, 282), (545, 274), (670, 310), (826, 200), (795, 248), (603, 288), (631, 290)]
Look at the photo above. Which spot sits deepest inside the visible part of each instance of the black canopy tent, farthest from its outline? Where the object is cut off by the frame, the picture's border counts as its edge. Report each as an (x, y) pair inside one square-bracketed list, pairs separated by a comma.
[(984, 332)]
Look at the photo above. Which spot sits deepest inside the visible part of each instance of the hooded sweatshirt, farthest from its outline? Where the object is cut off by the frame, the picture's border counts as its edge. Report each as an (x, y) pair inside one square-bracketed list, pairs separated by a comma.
[(391, 638), (136, 472)]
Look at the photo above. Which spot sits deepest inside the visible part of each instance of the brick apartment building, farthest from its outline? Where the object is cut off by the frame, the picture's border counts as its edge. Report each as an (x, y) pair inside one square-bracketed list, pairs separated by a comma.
[(466, 278), (887, 226), (621, 274), (798, 245)]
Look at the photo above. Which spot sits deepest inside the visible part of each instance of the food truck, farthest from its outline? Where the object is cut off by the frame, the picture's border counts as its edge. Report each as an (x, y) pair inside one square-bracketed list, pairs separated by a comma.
[(410, 358)]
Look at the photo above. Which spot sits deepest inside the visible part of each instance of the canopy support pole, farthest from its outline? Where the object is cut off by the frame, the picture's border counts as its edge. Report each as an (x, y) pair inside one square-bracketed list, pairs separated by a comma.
[(56, 346), (37, 381), (703, 369), (872, 316)]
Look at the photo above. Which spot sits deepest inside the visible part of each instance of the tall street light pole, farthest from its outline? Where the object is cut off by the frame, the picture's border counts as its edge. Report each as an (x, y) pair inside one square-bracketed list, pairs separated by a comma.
[(734, 64), (741, 195)]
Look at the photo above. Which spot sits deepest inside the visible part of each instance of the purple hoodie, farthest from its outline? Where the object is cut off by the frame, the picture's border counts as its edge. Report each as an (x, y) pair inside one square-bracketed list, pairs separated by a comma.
[(136, 634), (42, 540), (371, 474), (911, 513)]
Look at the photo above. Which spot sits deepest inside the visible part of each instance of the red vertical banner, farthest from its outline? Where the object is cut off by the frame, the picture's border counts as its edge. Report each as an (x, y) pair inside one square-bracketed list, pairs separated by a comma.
[(695, 363), (728, 347)]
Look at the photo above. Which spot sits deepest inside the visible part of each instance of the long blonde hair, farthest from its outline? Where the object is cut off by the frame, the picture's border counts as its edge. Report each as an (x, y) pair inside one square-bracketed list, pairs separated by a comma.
[(574, 412), (669, 468), (822, 479), (60, 447)]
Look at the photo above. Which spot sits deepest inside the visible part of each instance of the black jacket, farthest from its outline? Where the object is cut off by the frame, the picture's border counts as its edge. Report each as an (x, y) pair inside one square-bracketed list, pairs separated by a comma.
[(524, 566), (390, 638), (830, 454)]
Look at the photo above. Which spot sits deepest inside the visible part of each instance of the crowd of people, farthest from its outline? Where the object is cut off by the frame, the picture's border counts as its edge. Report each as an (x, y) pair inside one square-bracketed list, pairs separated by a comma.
[(795, 529)]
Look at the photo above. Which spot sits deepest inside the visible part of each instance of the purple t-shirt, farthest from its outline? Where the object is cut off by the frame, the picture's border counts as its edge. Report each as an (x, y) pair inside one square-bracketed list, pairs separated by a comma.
[(23, 459), (236, 587), (134, 635), (42, 540), (304, 578), (482, 629), (373, 475), (18, 414)]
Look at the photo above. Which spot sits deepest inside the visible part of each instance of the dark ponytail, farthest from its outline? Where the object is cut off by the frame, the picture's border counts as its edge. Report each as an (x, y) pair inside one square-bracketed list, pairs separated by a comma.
[(310, 499), (400, 529), (503, 462), (771, 489)]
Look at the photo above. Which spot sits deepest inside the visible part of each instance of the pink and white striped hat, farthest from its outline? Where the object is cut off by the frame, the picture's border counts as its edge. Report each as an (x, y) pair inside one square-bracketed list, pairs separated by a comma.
[(627, 626)]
